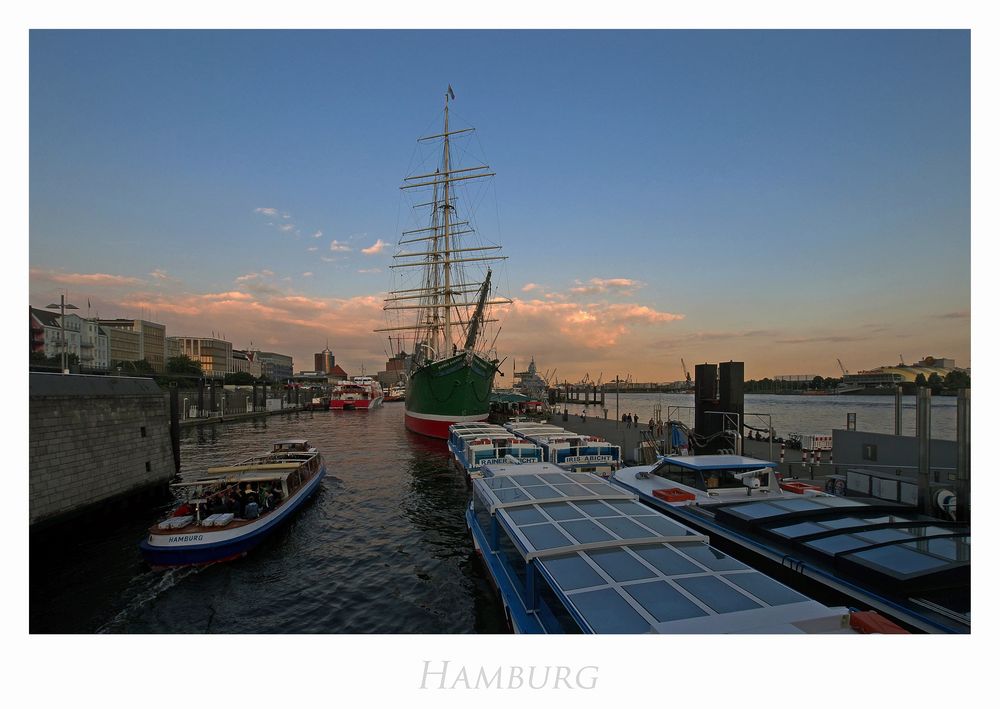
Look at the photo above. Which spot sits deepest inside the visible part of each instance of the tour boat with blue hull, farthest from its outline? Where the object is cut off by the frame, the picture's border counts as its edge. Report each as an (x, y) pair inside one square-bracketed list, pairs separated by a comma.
[(570, 553), (231, 509), (910, 567)]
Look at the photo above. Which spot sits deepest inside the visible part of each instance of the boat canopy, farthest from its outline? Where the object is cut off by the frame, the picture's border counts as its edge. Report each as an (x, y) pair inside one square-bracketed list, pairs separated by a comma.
[(621, 567), (716, 462)]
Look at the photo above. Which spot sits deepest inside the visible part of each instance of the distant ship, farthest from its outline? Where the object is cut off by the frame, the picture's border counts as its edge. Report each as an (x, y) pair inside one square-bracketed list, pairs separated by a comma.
[(451, 372)]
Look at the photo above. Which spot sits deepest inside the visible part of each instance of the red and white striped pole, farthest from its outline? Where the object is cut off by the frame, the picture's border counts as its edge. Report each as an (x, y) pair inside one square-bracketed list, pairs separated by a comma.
[(804, 454), (782, 458)]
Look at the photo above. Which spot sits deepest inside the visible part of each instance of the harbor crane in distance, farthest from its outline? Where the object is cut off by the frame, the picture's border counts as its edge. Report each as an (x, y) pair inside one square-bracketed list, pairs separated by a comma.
[(842, 369), (687, 376)]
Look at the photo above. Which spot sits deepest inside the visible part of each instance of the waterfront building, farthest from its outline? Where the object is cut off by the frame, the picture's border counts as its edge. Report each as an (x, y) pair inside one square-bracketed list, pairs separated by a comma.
[(214, 355), (246, 361), (338, 374), (275, 367), (84, 338), (892, 375), (324, 361), (123, 345), (172, 348), (395, 369), (151, 341)]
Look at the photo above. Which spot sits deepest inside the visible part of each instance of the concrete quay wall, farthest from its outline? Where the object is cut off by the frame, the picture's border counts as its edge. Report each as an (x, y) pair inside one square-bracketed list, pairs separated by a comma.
[(94, 440)]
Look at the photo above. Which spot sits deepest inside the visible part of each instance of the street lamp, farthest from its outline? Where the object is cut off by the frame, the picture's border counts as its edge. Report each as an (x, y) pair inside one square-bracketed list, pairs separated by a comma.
[(62, 326)]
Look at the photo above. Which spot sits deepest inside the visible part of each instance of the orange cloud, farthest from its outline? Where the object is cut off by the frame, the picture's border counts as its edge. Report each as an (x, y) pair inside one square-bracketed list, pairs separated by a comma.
[(90, 279), (374, 248)]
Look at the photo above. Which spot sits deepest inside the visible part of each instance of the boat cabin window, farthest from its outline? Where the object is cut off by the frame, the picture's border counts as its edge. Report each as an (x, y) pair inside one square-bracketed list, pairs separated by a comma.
[(482, 512), (684, 476), (551, 612), (707, 480)]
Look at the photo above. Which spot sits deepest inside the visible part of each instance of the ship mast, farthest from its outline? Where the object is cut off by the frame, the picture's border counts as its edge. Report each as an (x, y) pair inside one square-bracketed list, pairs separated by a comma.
[(447, 238), (437, 292)]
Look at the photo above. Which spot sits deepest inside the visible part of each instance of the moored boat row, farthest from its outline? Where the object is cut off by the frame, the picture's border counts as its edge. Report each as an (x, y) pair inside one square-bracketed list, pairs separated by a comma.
[(571, 553), (912, 568)]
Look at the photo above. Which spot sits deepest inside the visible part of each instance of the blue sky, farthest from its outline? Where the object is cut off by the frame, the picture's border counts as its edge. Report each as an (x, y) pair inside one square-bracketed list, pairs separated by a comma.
[(796, 196)]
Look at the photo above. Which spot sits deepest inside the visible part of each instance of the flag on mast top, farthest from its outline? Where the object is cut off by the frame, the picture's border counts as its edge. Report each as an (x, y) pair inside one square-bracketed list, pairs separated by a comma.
[(451, 93)]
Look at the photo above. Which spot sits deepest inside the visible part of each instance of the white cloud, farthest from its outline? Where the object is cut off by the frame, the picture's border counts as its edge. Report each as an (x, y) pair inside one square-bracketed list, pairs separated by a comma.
[(369, 270), (318, 234), (337, 246), (269, 211), (286, 227)]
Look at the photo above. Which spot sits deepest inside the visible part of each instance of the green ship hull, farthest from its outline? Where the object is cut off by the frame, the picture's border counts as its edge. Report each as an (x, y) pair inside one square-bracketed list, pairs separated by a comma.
[(453, 390)]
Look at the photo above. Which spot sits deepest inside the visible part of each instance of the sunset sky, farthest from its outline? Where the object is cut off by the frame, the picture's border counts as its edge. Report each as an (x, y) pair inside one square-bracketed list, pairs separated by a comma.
[(784, 198)]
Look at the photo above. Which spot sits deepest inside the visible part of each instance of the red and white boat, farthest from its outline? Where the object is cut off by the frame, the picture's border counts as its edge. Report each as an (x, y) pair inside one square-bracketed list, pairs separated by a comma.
[(358, 393)]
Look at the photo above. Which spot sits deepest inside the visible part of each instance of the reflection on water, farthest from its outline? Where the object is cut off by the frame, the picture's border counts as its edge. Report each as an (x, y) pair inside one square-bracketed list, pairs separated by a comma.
[(381, 548)]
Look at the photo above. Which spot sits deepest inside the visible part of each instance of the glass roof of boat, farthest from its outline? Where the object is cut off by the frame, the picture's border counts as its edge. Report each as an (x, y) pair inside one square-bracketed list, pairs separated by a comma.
[(716, 462), (621, 566), (887, 539)]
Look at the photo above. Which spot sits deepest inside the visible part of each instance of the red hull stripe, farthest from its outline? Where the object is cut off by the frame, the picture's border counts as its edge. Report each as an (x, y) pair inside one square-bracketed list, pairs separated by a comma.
[(434, 429)]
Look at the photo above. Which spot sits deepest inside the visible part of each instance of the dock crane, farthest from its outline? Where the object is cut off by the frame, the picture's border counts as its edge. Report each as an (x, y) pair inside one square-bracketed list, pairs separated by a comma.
[(687, 377), (842, 369)]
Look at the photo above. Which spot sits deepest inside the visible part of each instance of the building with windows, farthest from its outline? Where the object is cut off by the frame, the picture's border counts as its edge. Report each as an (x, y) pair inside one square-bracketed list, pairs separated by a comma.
[(893, 375), (275, 367), (395, 369), (324, 361), (152, 340), (246, 361), (214, 355), (84, 338)]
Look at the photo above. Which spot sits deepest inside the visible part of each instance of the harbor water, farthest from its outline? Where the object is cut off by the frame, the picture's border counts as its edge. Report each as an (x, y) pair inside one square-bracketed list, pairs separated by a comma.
[(793, 413), (381, 548)]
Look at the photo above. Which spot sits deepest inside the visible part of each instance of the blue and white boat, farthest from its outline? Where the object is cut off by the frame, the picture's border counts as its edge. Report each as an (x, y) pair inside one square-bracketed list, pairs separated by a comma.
[(910, 567), (570, 553), (231, 509), (473, 445), (573, 451)]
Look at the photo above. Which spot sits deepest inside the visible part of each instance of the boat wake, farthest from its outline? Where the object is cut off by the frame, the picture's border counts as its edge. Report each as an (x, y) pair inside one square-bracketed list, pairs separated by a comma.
[(144, 589)]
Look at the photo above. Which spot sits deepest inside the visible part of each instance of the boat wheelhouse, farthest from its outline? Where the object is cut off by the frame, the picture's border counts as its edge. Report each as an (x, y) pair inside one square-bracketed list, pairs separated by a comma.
[(910, 567), (231, 509), (570, 553)]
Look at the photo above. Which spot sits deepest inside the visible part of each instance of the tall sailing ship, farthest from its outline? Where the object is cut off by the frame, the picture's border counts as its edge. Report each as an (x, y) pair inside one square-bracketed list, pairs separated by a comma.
[(452, 365)]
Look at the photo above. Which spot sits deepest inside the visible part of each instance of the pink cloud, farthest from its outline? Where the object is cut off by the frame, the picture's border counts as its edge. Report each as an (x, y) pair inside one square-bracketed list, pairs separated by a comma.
[(91, 279), (624, 286), (374, 248)]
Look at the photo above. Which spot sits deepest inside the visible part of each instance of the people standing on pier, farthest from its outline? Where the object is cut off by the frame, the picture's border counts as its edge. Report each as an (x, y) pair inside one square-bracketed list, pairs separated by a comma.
[(652, 425), (625, 420)]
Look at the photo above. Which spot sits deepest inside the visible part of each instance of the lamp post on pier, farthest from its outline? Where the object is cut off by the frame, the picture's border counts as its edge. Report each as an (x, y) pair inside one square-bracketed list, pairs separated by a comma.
[(63, 305)]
